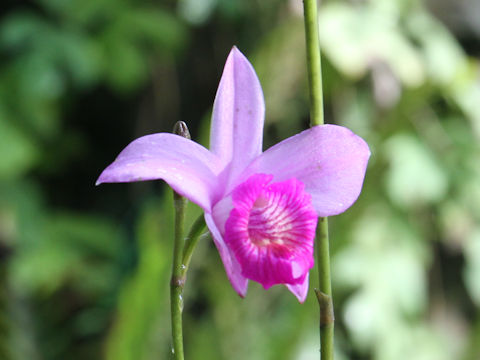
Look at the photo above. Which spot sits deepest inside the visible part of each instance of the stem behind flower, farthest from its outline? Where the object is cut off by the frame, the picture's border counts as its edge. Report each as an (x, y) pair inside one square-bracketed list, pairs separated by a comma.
[(317, 118), (178, 278), (324, 294), (314, 65), (178, 275)]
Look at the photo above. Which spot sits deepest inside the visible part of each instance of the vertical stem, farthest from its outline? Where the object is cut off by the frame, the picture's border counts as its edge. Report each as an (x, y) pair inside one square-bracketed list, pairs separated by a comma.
[(324, 294), (178, 269), (314, 67), (178, 278)]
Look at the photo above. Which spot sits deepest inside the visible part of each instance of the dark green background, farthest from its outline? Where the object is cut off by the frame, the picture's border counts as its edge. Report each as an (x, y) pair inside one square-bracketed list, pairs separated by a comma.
[(84, 270)]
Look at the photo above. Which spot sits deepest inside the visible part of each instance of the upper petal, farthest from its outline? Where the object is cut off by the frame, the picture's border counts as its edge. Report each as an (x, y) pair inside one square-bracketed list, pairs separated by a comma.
[(186, 166), (330, 160), (238, 114)]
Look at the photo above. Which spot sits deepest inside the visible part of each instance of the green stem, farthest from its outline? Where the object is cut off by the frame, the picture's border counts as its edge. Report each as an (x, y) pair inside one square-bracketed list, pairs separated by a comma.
[(178, 278), (314, 67), (191, 241), (324, 294)]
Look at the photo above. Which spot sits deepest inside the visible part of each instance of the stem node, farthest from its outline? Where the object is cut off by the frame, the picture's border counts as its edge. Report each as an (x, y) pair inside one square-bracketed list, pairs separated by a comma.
[(178, 281), (327, 316)]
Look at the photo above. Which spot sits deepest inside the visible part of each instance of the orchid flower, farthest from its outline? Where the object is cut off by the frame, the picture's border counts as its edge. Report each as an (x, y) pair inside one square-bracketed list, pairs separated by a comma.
[(260, 207)]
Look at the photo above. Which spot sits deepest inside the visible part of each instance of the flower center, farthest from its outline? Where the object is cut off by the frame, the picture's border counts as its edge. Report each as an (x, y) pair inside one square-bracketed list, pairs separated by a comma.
[(271, 230), (270, 223)]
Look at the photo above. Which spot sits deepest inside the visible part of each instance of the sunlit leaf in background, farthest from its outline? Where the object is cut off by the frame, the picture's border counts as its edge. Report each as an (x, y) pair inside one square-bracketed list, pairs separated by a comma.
[(414, 177), (196, 11), (472, 269), (355, 38)]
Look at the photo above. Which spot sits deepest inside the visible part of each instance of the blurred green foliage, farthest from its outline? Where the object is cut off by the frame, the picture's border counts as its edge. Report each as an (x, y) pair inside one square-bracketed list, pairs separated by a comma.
[(84, 271)]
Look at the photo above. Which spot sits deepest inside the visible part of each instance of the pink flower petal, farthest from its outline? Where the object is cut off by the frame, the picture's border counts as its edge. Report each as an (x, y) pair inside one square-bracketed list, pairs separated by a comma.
[(300, 290), (232, 268), (190, 169), (238, 114), (271, 229), (330, 160)]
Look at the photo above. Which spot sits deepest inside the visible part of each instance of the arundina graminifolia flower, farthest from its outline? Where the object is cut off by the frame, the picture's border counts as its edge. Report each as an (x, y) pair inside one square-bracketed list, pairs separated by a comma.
[(260, 207)]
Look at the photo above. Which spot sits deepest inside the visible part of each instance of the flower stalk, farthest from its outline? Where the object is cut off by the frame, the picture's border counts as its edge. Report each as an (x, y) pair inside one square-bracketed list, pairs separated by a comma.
[(314, 65), (178, 275), (178, 278), (191, 241), (324, 293)]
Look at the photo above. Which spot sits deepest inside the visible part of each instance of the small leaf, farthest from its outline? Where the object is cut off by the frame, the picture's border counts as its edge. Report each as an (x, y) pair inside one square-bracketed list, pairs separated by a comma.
[(414, 176)]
